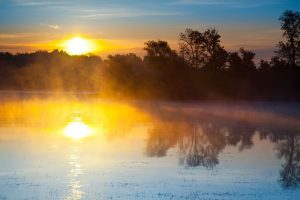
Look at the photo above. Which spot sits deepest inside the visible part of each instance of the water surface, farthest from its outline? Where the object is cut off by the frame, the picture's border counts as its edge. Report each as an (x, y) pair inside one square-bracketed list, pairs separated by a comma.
[(96, 149)]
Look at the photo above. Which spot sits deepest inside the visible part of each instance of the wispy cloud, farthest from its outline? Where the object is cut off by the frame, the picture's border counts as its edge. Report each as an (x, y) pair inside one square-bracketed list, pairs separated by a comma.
[(6, 36), (10, 36), (52, 26), (38, 2), (121, 13), (229, 3)]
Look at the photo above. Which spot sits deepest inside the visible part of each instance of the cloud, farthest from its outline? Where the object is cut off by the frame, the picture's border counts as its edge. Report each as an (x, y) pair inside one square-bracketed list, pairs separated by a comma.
[(9, 36), (229, 3), (52, 26), (38, 2), (121, 12)]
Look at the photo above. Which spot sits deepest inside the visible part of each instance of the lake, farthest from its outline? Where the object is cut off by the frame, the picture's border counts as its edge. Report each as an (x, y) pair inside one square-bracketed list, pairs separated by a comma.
[(81, 148)]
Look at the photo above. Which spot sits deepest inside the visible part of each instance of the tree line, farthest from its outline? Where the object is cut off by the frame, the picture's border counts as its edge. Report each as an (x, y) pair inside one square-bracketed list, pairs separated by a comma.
[(201, 69)]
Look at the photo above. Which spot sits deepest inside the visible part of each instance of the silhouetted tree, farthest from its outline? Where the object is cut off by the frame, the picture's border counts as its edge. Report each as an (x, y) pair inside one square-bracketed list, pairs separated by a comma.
[(190, 43), (264, 66), (168, 73), (55, 70), (290, 24), (159, 49), (123, 73), (243, 63), (242, 74), (202, 49)]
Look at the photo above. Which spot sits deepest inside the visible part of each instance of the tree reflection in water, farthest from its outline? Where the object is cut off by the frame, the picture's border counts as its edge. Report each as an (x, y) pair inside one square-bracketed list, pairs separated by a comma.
[(200, 148), (199, 144), (289, 151)]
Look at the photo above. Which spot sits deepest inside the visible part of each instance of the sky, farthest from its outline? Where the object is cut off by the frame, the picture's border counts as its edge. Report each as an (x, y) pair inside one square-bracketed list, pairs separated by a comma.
[(119, 26)]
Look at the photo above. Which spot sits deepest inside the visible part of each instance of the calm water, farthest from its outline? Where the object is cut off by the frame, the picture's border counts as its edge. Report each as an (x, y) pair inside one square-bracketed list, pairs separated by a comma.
[(71, 149)]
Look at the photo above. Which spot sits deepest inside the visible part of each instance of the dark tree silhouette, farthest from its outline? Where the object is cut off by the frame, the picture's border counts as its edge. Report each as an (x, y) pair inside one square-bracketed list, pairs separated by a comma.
[(168, 74), (159, 49), (190, 47), (202, 49), (290, 50), (243, 63), (123, 72)]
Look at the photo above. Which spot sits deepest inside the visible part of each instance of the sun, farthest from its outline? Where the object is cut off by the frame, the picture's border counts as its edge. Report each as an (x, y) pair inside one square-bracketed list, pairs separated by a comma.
[(77, 130), (78, 46)]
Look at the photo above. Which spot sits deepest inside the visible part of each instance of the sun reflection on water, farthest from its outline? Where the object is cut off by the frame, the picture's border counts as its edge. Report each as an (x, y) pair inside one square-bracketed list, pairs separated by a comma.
[(77, 130), (75, 187)]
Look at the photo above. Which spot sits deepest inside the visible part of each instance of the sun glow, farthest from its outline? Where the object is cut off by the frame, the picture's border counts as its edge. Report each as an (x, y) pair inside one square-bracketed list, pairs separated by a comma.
[(79, 46), (77, 130)]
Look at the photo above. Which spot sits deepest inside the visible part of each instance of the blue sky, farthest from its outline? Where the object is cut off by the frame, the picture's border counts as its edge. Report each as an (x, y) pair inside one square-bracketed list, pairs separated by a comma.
[(28, 25)]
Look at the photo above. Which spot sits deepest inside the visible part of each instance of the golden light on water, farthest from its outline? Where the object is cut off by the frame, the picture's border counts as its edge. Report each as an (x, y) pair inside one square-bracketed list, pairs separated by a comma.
[(79, 46), (77, 130)]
